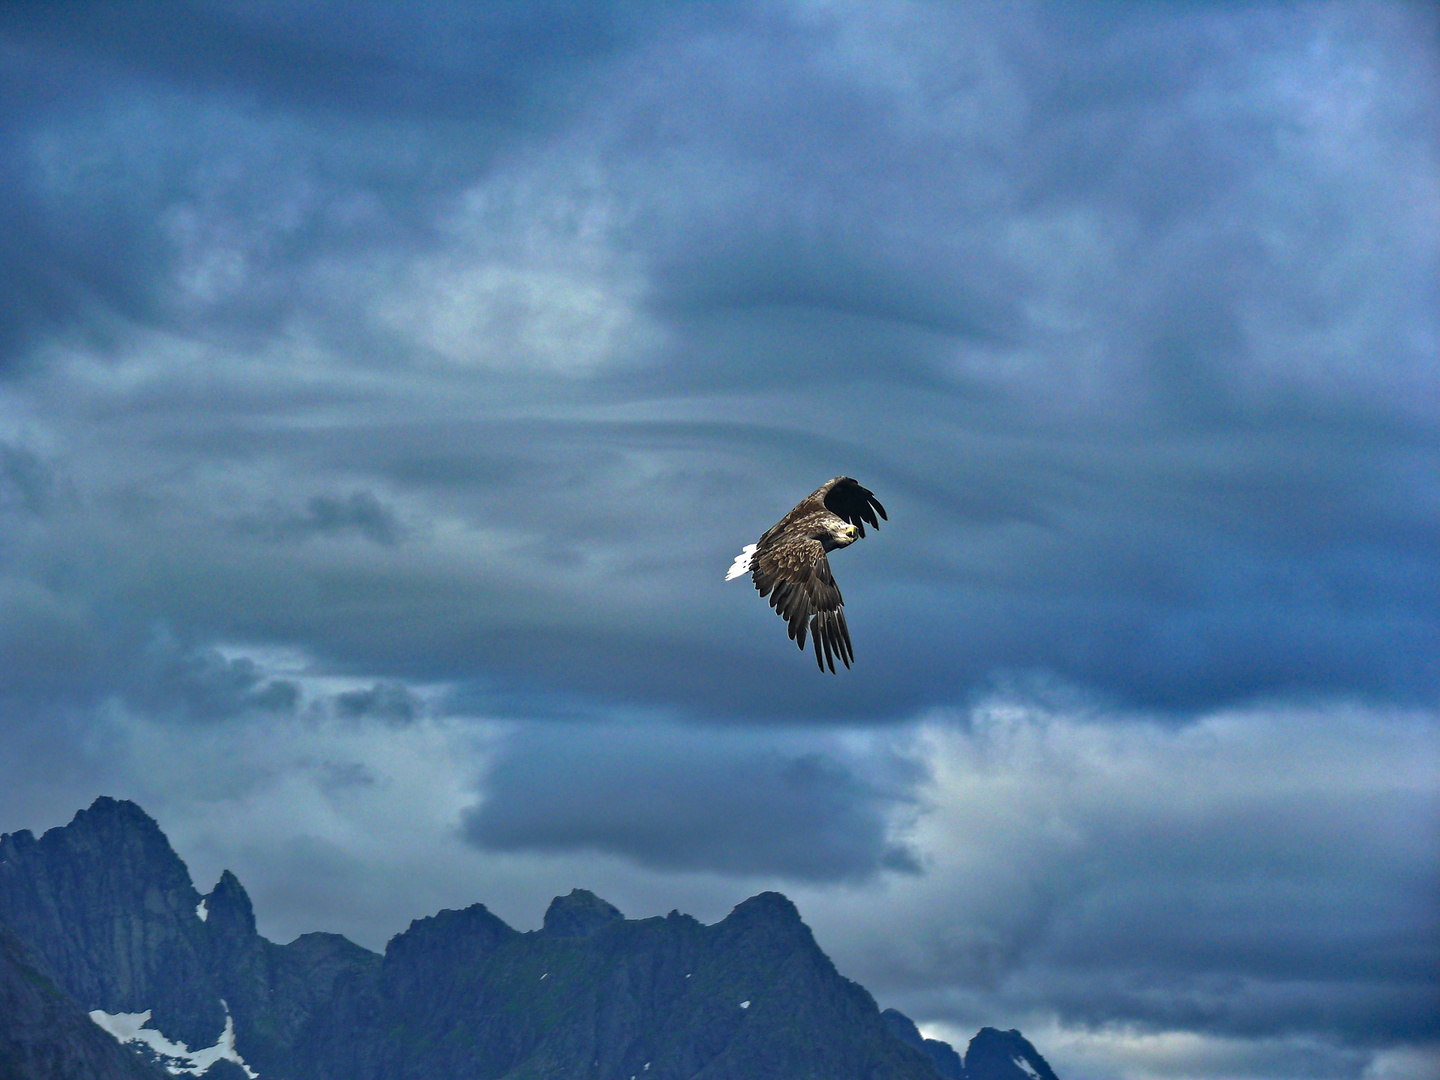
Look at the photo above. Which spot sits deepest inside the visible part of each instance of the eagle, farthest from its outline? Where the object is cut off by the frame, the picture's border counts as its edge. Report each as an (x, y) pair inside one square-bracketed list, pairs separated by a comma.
[(788, 564)]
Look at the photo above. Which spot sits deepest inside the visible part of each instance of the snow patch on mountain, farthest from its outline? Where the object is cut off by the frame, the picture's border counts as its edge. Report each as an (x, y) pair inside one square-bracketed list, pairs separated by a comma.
[(177, 1058)]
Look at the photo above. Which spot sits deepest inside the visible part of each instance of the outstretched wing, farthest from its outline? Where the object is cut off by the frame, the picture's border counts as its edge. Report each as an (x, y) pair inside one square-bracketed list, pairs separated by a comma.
[(847, 500), (841, 496), (796, 576)]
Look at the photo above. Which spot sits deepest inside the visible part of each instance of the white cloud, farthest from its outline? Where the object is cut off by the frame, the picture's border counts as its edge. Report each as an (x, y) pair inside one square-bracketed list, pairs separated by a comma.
[(1405, 1063), (529, 279)]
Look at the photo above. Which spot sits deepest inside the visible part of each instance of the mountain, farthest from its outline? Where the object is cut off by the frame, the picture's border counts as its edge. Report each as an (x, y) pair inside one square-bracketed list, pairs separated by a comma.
[(595, 994), (110, 910), (112, 924), (1004, 1055)]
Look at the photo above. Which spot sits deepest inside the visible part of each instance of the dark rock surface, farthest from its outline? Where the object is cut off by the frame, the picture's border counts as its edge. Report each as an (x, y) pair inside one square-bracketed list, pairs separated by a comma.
[(1003, 1055), (273, 991), (44, 1035), (598, 995), (578, 915)]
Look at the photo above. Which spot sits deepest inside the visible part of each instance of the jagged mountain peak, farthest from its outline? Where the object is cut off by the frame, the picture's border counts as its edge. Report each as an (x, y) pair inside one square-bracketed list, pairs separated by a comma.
[(769, 920), (111, 909), (942, 1055), (1004, 1055), (449, 929), (228, 909), (768, 905), (903, 1027), (120, 827), (107, 807), (579, 914), (770, 912)]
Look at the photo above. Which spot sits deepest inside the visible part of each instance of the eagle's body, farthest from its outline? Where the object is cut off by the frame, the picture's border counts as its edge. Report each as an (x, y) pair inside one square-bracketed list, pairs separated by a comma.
[(788, 564)]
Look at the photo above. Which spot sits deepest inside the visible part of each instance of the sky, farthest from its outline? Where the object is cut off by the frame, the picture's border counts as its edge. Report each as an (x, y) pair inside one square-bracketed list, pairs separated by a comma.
[(386, 389)]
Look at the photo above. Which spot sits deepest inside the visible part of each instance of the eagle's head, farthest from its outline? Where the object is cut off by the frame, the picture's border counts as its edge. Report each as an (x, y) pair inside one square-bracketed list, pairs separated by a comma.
[(840, 535)]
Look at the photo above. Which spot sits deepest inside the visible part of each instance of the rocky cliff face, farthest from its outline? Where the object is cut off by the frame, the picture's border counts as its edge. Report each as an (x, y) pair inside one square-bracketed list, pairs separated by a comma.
[(44, 1035), (112, 917)]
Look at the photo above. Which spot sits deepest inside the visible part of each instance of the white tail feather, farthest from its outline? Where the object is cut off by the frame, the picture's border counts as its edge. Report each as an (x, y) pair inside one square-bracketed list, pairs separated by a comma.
[(741, 565)]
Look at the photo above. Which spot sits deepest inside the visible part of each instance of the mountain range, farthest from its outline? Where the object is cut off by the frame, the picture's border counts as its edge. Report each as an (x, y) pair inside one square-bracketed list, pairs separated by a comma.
[(113, 965)]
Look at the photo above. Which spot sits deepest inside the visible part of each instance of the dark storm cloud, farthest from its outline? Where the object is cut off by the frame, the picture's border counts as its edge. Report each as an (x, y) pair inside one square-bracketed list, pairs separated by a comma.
[(388, 702), (1183, 572), (695, 801), (201, 684), (359, 512), (436, 60)]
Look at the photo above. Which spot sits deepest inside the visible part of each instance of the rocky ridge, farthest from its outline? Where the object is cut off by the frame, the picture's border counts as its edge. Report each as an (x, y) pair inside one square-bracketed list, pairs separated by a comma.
[(107, 913)]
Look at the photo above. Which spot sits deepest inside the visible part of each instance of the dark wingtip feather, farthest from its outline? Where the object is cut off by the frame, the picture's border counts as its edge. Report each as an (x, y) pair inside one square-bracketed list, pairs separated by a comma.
[(834, 643)]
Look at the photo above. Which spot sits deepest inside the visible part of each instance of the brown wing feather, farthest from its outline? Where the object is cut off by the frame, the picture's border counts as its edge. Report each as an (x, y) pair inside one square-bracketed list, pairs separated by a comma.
[(796, 576)]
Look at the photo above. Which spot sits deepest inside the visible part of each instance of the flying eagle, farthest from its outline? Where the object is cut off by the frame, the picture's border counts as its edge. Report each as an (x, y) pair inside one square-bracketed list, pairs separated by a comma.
[(788, 564)]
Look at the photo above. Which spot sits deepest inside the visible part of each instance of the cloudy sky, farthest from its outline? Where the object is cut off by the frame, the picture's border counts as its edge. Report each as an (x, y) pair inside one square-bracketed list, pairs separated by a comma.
[(385, 390)]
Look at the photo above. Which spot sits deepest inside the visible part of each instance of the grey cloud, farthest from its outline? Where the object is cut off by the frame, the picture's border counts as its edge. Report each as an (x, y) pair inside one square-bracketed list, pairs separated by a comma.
[(1177, 571), (359, 512), (25, 481), (1237, 175), (439, 61), (732, 804), (390, 703), (201, 684)]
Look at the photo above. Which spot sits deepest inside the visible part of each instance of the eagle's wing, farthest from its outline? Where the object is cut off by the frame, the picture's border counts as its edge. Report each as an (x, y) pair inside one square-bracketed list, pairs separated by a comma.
[(796, 576), (854, 504)]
